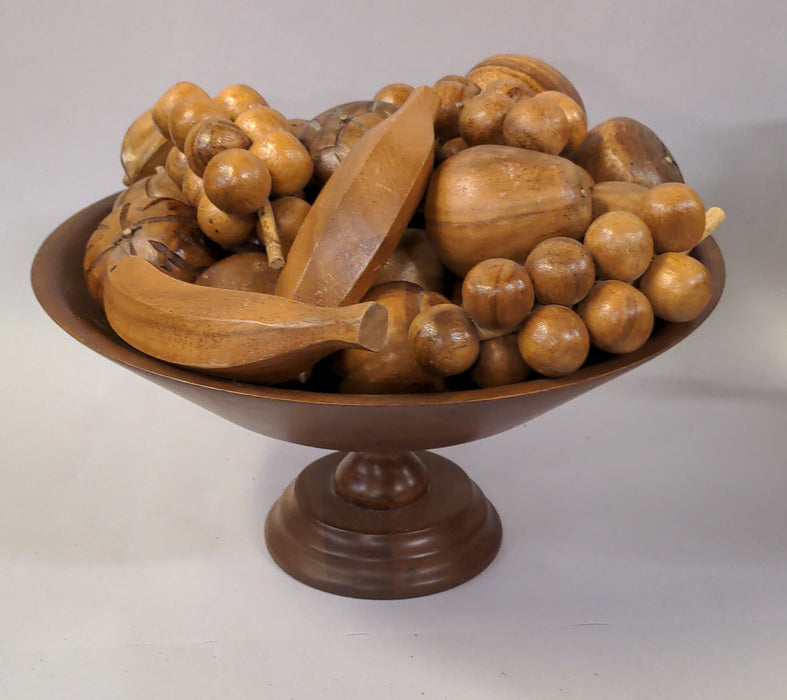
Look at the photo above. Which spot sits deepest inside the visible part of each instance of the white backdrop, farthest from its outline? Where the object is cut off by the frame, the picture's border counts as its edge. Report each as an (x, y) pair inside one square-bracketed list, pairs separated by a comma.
[(644, 549)]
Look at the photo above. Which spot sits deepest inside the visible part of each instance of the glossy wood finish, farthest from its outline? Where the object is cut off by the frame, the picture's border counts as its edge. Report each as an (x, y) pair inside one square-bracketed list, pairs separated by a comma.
[(360, 214), (389, 424), (494, 201), (439, 540), (624, 149), (242, 335)]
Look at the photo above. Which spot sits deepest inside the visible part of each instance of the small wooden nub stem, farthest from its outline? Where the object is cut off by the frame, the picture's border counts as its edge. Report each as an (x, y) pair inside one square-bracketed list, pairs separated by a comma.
[(270, 236), (714, 218)]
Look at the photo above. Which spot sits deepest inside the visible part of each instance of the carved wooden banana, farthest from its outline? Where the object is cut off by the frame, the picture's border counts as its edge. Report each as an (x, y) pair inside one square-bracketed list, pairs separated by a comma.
[(243, 335)]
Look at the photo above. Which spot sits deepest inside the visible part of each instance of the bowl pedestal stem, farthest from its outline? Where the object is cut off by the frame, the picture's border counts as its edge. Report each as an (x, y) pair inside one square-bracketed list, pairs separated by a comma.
[(373, 525)]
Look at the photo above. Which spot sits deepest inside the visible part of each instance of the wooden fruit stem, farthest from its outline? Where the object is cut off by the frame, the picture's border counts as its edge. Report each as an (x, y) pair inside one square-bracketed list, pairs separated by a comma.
[(714, 218), (270, 236)]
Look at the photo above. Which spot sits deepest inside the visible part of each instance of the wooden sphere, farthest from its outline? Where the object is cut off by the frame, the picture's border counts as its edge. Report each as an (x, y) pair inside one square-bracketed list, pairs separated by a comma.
[(247, 272), (174, 94), (237, 182), (554, 341), (562, 271), (209, 137), (497, 293), (222, 227), (453, 94), (444, 340), (414, 260), (176, 166), (675, 216), (395, 93), (260, 120), (287, 160), (678, 287), (622, 148), (238, 98), (620, 244), (481, 120), (187, 112), (499, 363), (511, 87), (193, 188), (575, 116), (495, 201), (289, 213), (538, 125), (449, 148), (615, 195), (393, 369), (618, 316)]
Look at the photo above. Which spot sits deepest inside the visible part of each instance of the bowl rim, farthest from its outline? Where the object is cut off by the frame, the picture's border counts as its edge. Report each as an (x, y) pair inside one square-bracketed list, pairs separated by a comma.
[(48, 269)]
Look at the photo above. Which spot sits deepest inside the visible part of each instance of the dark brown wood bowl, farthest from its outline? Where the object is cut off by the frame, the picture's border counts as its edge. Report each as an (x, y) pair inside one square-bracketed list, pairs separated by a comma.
[(381, 517)]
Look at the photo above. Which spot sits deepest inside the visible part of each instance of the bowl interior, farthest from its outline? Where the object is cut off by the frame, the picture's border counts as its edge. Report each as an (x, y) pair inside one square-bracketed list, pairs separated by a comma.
[(328, 420)]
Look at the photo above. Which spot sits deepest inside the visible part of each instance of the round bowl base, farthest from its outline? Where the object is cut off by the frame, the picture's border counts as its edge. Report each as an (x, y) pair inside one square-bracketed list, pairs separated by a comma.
[(443, 538)]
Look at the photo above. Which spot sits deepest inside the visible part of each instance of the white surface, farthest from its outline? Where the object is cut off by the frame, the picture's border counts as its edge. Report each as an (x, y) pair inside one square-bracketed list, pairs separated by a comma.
[(644, 553)]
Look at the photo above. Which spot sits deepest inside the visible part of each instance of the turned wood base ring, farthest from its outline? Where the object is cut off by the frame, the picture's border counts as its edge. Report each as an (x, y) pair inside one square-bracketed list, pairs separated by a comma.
[(440, 538)]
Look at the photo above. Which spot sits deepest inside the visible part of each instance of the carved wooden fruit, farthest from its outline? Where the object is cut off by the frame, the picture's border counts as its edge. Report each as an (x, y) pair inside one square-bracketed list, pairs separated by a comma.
[(243, 335), (394, 368), (499, 363), (144, 149), (360, 214), (162, 231), (621, 148), (331, 134), (621, 246), (562, 271), (247, 272), (535, 73), (414, 260), (618, 316), (678, 287), (554, 341), (444, 340), (158, 186), (495, 201)]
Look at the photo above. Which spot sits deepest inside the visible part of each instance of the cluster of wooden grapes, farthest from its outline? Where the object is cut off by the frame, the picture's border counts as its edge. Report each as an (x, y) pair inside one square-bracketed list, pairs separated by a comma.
[(238, 162), (505, 111), (604, 291)]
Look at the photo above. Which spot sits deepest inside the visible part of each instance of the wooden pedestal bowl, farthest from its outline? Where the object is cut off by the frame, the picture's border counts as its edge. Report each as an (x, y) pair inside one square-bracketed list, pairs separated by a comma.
[(380, 517)]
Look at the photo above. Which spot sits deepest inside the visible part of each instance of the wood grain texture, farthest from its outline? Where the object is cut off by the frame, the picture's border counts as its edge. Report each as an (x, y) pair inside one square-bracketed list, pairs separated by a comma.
[(360, 214), (621, 148), (257, 337), (535, 73), (445, 537), (494, 201)]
